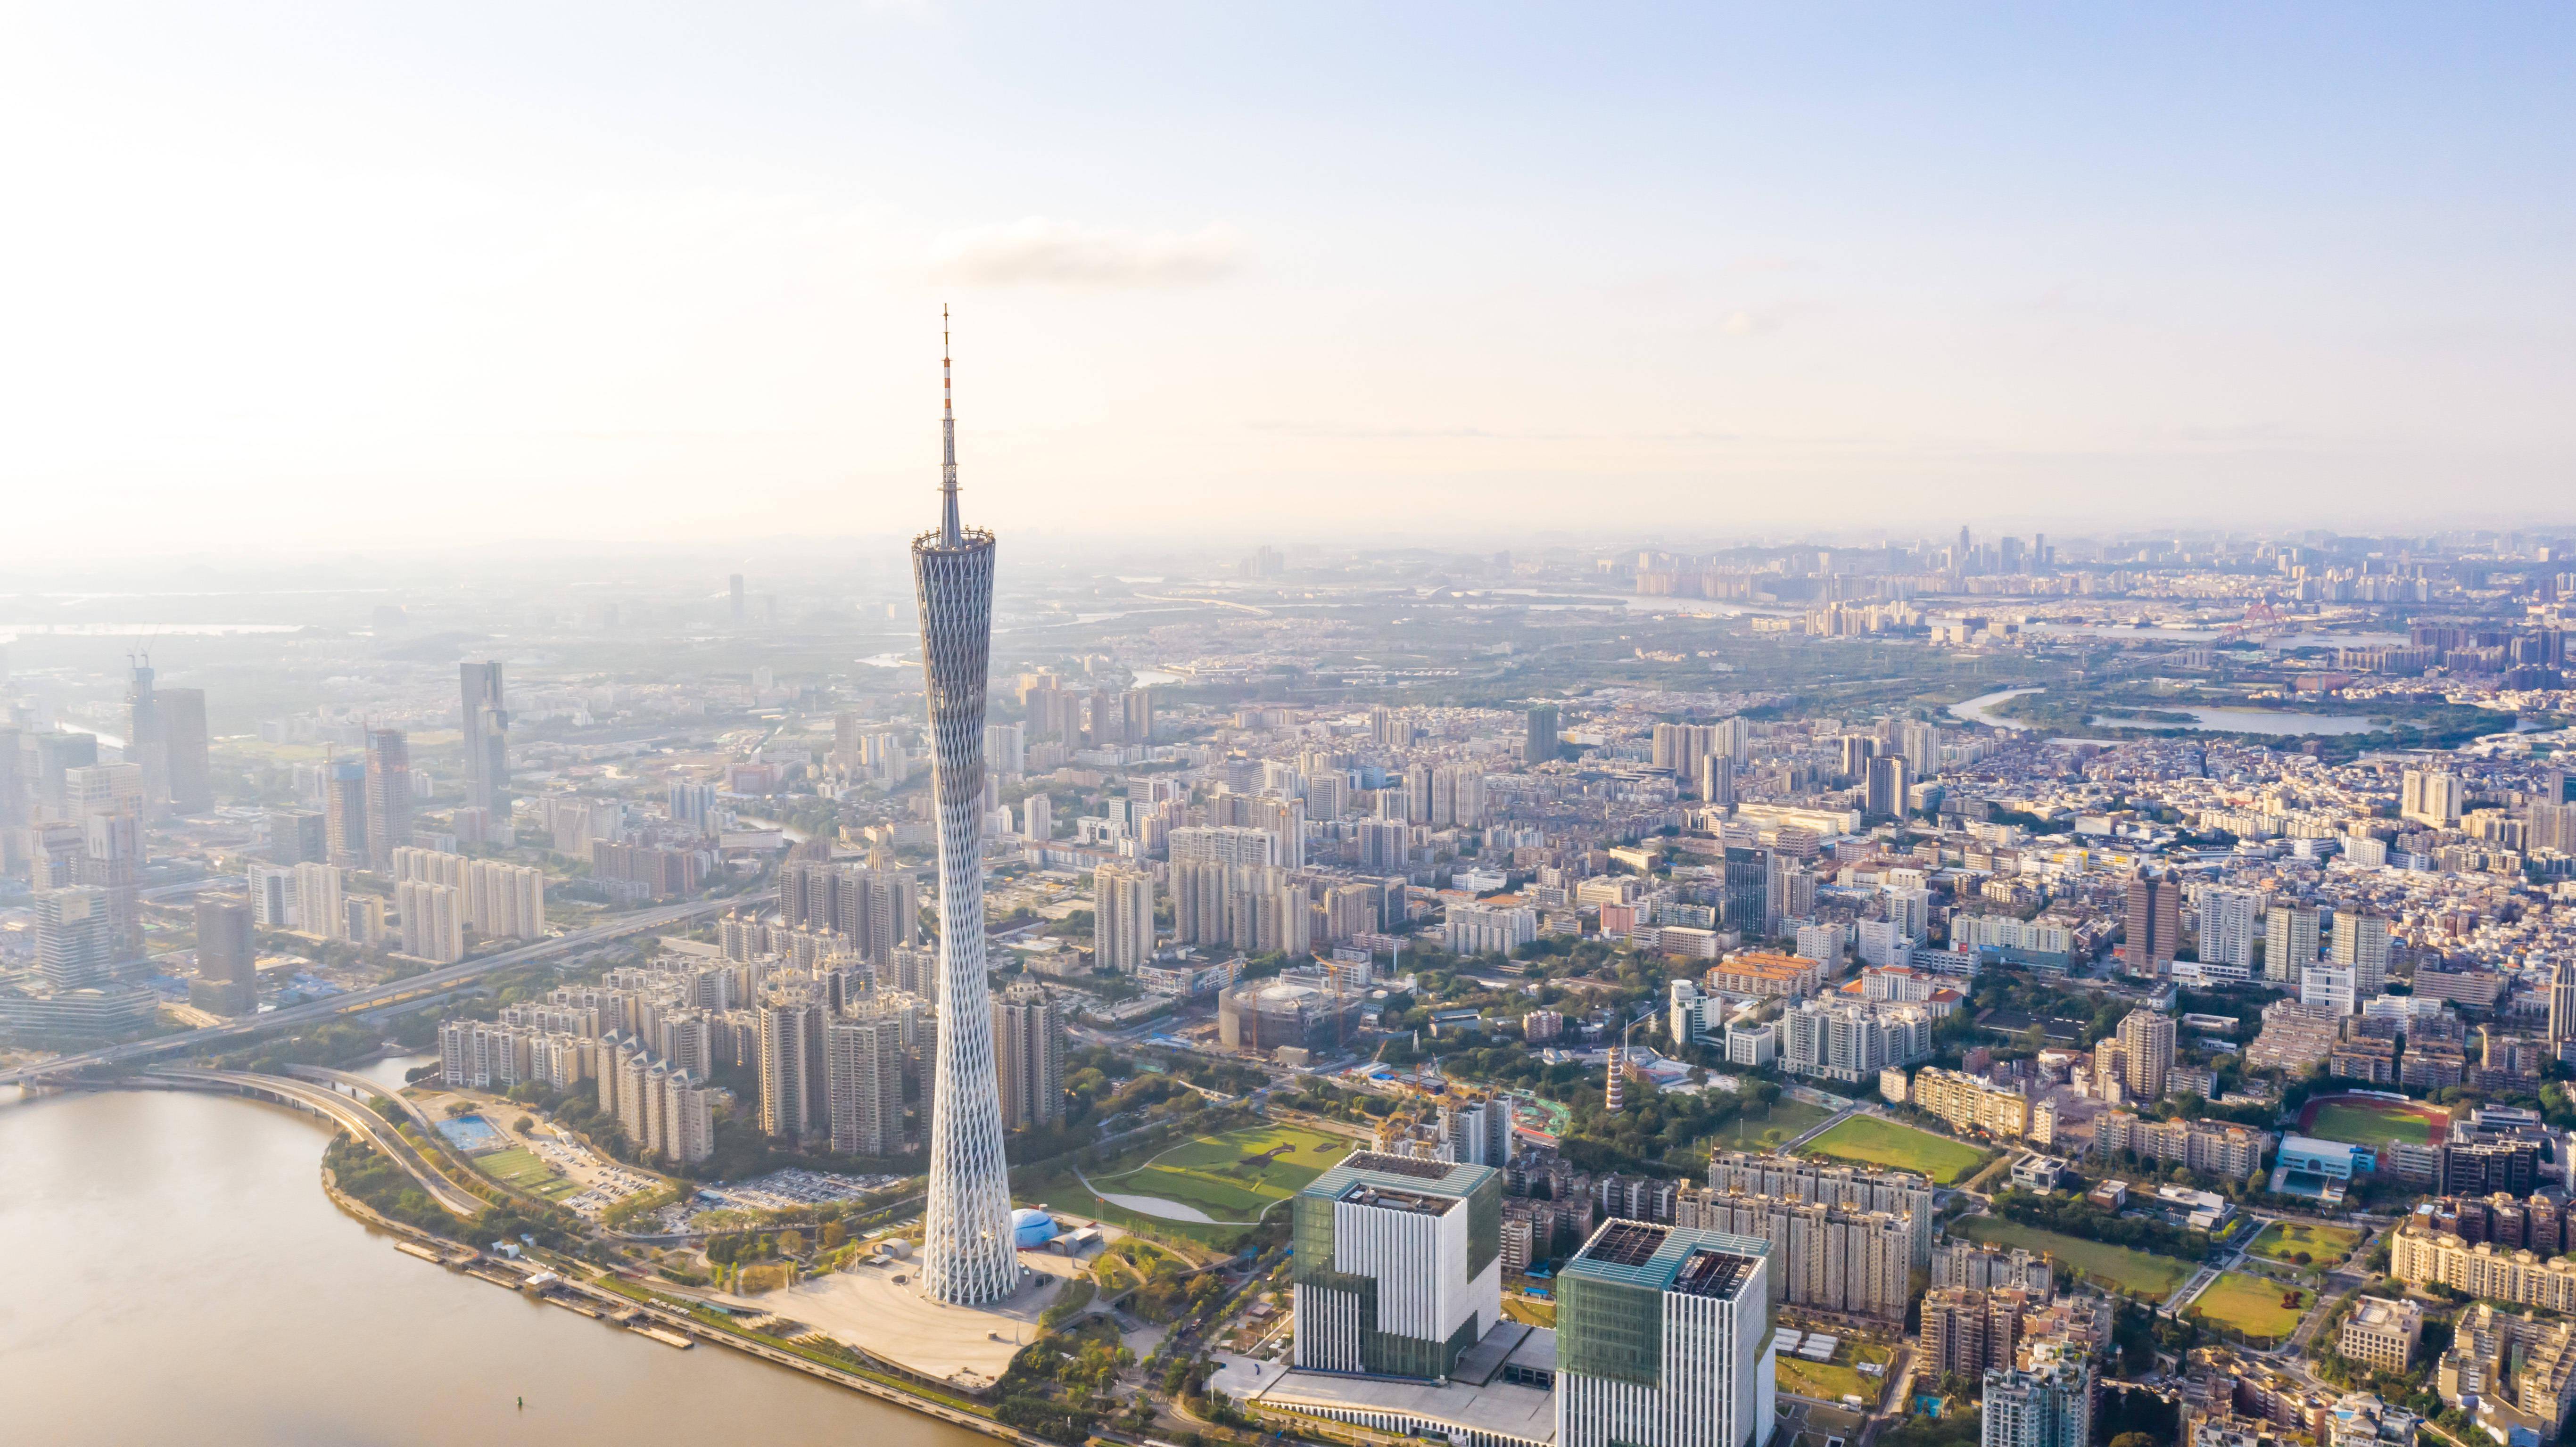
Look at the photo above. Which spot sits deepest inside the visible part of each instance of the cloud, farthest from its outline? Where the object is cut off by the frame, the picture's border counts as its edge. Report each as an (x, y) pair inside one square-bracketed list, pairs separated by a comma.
[(1042, 252)]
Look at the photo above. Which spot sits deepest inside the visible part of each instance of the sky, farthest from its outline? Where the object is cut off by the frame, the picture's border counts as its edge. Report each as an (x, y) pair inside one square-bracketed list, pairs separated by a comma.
[(280, 278)]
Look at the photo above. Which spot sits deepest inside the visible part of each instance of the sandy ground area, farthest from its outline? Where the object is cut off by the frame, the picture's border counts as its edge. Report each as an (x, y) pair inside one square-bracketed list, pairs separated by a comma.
[(867, 1308)]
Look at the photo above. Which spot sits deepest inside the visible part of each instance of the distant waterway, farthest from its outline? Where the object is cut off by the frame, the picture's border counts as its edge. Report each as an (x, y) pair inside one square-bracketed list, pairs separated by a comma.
[(2206, 635), (2242, 721), (1981, 708), (177, 1275)]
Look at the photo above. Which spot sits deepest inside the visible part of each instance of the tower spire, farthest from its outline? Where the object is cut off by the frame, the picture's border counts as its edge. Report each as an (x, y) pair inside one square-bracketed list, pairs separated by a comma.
[(948, 524)]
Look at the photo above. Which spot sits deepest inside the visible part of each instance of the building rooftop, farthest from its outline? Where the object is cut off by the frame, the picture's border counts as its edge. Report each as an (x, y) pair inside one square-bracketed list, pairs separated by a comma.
[(2380, 1313), (1385, 1199), (1669, 1258), (1403, 1175), (1498, 1411)]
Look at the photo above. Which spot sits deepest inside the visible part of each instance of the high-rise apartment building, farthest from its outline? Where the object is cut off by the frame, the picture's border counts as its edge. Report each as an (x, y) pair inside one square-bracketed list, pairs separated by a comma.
[(296, 836), (317, 896), (486, 723), (2230, 926), (1920, 744), (867, 1060), (2562, 1000), (344, 813), (389, 797), (1397, 1266), (967, 1255), (145, 745), (2154, 922), (2048, 1405), (1136, 708), (433, 919), (1717, 781), (1965, 1331), (185, 770), (2361, 943), (2431, 796), (1006, 749), (1825, 1256), (795, 1085), (111, 860), (1540, 741), (227, 980), (2147, 1052), (1122, 917), (2290, 941), (1663, 1339), (1680, 746), (1028, 1054), (1889, 779)]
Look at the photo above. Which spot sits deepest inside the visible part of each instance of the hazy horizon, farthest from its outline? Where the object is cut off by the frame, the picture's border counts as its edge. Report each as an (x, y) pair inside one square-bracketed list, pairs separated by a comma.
[(382, 284)]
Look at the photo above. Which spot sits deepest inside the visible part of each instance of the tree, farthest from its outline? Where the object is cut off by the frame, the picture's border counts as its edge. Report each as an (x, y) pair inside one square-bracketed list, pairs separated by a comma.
[(2133, 1439)]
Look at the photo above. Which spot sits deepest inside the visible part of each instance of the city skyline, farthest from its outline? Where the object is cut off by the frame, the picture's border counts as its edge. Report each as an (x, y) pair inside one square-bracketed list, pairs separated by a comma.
[(1706, 726)]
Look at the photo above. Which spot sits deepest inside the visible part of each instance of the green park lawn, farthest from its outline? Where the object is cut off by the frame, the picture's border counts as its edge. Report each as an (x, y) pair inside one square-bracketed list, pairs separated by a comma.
[(2371, 1123), (1759, 1129), (1870, 1141), (2252, 1305), (1834, 1380), (1531, 1310), (2140, 1273), (2325, 1245), (1234, 1177)]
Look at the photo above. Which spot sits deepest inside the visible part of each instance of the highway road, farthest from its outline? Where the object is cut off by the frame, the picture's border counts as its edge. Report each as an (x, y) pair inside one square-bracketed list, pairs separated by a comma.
[(354, 1116), (358, 1001)]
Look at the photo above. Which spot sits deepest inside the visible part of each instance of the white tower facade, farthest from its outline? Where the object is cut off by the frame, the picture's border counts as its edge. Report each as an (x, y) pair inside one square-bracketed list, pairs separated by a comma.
[(967, 1254)]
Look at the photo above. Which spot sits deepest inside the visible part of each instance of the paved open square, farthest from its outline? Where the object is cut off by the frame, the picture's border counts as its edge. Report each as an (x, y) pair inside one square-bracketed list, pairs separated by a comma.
[(868, 1308)]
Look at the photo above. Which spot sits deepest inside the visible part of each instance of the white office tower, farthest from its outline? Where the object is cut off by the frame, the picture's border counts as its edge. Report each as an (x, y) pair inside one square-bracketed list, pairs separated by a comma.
[(1663, 1339), (1398, 1265), (73, 947), (2230, 923), (2050, 1405), (967, 1255)]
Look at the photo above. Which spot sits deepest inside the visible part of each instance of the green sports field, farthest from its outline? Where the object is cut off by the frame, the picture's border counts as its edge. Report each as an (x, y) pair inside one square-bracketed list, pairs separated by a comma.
[(2252, 1305), (2140, 1273), (1232, 1178), (2372, 1123), (1870, 1141), (2325, 1245), (518, 1166), (1761, 1130)]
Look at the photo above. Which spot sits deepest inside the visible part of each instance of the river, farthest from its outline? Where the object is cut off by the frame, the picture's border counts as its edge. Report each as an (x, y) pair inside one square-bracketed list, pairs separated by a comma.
[(177, 1275)]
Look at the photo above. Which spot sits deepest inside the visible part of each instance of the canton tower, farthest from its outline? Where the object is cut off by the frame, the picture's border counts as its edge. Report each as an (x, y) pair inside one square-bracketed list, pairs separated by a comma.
[(967, 1252)]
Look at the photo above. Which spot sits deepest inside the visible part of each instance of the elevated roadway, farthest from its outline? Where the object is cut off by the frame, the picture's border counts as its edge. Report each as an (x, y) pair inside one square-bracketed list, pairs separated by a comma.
[(354, 1002), (321, 1100)]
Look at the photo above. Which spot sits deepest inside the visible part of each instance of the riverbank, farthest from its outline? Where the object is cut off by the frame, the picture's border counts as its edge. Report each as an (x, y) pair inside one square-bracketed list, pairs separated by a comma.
[(621, 1300)]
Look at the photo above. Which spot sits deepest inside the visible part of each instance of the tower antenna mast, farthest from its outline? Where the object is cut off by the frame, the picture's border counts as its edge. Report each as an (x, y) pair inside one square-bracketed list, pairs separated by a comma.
[(948, 524)]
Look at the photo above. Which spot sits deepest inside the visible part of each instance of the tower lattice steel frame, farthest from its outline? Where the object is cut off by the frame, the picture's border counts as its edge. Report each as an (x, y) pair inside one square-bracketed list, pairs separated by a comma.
[(967, 1252)]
